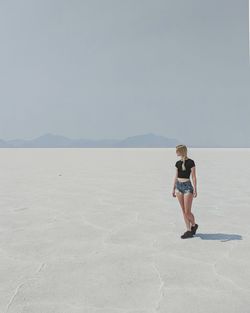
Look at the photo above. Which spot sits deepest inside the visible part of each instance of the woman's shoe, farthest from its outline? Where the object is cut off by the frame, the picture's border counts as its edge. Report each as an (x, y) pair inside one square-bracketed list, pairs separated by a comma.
[(194, 228), (187, 234)]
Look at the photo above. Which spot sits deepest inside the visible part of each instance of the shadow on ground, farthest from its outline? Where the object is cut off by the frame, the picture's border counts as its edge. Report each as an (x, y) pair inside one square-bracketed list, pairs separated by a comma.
[(219, 236)]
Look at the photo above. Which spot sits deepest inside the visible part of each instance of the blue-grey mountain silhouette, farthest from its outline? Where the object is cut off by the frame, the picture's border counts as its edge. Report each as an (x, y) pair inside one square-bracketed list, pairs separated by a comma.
[(49, 140)]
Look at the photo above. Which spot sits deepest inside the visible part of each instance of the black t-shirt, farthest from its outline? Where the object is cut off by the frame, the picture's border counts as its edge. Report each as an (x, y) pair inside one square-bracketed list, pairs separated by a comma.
[(189, 163)]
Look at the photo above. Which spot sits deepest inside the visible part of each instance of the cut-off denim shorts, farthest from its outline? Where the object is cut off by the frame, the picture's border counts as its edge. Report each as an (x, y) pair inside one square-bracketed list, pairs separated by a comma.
[(184, 187)]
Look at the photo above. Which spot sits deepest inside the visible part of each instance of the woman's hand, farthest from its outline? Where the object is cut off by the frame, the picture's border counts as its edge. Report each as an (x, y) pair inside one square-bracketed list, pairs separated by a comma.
[(195, 193), (173, 193)]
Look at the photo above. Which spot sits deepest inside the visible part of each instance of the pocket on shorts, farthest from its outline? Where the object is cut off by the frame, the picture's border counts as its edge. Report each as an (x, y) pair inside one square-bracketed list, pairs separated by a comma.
[(189, 188), (189, 184)]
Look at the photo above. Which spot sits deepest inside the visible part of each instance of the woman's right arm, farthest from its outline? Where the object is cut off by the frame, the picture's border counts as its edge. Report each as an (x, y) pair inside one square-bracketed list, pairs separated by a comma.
[(175, 178)]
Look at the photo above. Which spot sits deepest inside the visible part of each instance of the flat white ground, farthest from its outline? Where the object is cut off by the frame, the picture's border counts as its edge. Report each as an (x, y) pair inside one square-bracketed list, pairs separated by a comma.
[(97, 230)]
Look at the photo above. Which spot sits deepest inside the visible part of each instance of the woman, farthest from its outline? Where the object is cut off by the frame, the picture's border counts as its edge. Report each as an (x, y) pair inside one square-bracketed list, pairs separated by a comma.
[(184, 189)]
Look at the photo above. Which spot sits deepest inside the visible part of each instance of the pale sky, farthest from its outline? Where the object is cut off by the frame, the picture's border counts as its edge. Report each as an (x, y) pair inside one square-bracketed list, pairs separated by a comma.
[(112, 69)]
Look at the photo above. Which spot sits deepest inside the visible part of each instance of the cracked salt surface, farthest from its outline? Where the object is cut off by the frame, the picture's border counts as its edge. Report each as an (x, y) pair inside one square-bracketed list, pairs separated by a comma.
[(104, 236)]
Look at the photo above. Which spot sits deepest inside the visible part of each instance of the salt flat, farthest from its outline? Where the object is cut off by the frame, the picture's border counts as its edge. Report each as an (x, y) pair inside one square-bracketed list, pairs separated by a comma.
[(97, 230)]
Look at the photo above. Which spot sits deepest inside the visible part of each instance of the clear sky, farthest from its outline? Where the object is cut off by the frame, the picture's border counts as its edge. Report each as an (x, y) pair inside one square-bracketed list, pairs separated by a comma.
[(112, 69)]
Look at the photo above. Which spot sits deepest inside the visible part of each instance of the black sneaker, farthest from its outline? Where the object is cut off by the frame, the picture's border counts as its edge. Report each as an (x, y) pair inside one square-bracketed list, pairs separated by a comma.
[(187, 234), (194, 228)]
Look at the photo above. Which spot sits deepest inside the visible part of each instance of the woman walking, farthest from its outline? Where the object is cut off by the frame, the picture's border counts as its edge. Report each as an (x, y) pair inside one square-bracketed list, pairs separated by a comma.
[(184, 190)]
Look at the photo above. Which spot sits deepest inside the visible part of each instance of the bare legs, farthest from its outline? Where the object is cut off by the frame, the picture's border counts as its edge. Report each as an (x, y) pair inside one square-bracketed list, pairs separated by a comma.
[(185, 201)]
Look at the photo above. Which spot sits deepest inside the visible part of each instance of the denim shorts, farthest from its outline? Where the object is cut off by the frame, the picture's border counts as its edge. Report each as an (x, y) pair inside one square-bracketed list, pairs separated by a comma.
[(184, 187)]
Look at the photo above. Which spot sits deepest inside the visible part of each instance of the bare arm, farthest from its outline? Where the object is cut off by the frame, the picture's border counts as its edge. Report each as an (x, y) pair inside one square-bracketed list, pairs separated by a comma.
[(175, 178), (194, 179)]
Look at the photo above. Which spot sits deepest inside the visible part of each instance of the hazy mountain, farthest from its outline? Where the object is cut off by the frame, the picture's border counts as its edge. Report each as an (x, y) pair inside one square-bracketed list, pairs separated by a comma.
[(56, 141), (147, 141), (3, 144)]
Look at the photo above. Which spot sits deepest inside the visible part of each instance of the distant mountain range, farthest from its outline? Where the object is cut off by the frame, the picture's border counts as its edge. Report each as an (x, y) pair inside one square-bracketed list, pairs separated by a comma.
[(56, 141)]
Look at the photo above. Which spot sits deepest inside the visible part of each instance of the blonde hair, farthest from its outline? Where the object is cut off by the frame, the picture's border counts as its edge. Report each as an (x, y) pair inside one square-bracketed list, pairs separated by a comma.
[(183, 151)]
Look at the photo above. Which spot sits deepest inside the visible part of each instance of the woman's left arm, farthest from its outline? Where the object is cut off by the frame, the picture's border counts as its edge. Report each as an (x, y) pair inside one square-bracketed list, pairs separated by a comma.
[(194, 179)]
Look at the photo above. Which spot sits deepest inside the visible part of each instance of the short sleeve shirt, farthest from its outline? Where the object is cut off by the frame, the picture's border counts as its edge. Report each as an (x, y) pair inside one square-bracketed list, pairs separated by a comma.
[(189, 163)]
